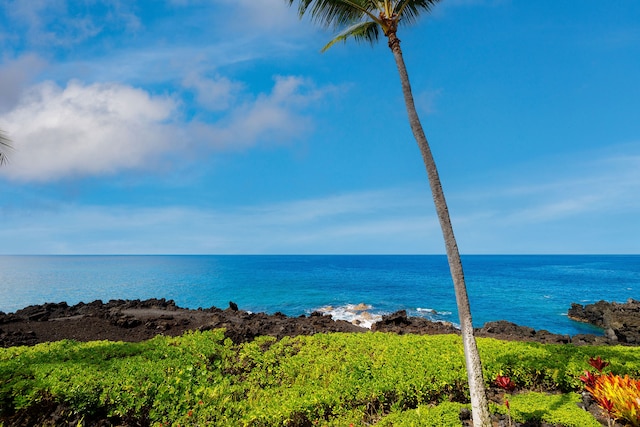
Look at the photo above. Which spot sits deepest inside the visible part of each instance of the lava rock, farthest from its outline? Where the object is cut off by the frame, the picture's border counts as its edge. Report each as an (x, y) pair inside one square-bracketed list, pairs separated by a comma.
[(620, 321)]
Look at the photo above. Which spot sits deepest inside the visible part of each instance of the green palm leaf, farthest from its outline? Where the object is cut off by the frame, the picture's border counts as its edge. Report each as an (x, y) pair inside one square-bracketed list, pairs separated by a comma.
[(337, 13), (362, 19), (5, 144), (410, 10), (362, 32)]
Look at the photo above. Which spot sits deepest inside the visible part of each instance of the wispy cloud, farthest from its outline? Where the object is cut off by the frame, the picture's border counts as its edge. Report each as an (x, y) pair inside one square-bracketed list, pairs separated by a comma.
[(215, 94), (601, 185), (262, 17), (570, 214), (269, 117), (426, 101), (366, 222), (65, 23)]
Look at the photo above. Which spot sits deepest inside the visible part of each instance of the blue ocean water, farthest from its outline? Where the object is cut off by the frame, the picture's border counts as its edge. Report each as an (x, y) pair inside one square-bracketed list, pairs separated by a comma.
[(535, 291)]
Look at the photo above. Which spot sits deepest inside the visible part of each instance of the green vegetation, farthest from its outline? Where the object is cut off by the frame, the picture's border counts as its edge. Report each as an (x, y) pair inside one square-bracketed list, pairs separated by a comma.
[(202, 378), (554, 409)]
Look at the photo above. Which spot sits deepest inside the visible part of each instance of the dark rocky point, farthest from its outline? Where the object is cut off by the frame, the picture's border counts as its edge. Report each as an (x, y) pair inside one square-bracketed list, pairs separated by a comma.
[(620, 321)]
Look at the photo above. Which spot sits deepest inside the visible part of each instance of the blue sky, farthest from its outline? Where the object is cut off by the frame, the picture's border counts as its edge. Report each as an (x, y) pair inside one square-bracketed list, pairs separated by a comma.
[(218, 127)]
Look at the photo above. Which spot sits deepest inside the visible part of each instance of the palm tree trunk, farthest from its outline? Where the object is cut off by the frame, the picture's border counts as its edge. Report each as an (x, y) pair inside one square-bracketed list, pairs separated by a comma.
[(479, 406)]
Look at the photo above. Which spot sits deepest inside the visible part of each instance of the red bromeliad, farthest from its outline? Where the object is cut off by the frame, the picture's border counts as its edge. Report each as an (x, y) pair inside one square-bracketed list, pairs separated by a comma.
[(598, 363), (588, 379), (505, 383)]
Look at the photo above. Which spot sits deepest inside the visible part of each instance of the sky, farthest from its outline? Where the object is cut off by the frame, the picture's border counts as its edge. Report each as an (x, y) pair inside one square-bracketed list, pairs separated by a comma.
[(218, 127)]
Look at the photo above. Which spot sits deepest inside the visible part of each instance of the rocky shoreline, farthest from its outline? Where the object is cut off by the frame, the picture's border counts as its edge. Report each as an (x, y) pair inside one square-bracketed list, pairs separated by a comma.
[(620, 321), (135, 320)]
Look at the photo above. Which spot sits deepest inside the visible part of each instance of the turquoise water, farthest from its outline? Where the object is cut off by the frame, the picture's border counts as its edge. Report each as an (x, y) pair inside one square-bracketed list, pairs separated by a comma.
[(535, 291)]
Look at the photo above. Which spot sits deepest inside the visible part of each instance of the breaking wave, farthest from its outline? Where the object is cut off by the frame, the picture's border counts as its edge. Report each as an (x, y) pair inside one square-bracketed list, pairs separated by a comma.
[(357, 314), (365, 315)]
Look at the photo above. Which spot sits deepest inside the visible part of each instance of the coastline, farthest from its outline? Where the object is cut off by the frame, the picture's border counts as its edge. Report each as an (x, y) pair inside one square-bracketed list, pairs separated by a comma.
[(136, 320), (545, 286)]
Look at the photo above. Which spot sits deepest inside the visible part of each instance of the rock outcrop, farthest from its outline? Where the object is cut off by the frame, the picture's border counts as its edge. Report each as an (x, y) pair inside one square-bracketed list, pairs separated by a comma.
[(399, 323), (620, 321)]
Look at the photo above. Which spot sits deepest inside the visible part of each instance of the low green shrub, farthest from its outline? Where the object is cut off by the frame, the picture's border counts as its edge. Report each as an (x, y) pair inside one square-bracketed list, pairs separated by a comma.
[(446, 414), (325, 379), (555, 409), (550, 367)]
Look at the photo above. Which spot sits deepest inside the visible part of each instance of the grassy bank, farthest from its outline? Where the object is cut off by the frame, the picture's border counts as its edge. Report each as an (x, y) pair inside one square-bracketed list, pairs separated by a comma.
[(325, 379)]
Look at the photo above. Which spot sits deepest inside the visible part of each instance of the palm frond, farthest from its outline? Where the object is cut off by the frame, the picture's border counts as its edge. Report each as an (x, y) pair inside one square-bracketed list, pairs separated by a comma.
[(5, 143), (360, 19), (409, 10), (367, 31), (336, 13)]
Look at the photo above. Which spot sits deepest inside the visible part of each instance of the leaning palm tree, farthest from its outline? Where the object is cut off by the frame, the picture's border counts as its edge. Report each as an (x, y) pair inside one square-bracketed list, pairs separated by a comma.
[(364, 20), (5, 144)]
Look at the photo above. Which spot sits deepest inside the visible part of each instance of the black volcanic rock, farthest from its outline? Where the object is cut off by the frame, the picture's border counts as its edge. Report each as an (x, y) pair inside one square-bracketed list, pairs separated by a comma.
[(511, 332), (620, 321), (135, 320), (399, 323)]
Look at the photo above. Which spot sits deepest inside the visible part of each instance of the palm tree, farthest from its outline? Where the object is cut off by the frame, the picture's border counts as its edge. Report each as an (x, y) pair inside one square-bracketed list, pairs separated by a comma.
[(5, 144), (364, 20)]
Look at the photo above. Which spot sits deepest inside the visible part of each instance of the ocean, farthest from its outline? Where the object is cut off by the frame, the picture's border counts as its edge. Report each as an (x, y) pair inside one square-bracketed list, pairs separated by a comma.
[(530, 290)]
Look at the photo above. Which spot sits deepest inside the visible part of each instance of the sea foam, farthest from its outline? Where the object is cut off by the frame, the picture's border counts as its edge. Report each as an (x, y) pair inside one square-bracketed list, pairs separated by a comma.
[(357, 314), (365, 315)]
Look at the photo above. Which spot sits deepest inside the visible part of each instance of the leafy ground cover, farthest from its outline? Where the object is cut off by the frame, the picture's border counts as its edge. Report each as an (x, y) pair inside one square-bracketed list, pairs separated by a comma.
[(338, 379)]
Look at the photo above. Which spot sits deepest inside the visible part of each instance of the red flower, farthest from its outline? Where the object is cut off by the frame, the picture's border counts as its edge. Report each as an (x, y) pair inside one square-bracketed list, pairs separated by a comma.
[(505, 383), (598, 363), (506, 403)]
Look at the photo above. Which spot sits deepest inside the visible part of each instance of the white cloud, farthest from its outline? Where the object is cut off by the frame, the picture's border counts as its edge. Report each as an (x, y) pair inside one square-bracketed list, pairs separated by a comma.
[(85, 129), (215, 94), (272, 117), (101, 128)]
